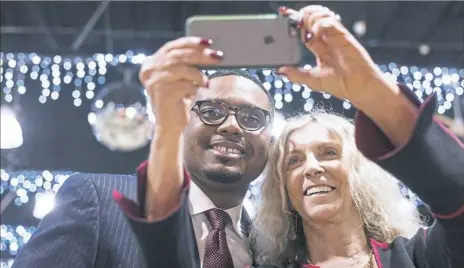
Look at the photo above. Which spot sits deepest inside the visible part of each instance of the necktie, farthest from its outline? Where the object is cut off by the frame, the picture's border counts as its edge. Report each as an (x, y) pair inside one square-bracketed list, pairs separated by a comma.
[(217, 253)]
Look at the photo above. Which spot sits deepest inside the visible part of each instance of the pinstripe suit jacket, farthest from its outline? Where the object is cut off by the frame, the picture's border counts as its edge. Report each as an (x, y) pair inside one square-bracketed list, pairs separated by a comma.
[(86, 229)]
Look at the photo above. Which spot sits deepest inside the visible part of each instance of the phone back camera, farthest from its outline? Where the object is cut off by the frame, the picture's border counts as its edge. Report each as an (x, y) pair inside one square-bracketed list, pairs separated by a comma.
[(268, 40)]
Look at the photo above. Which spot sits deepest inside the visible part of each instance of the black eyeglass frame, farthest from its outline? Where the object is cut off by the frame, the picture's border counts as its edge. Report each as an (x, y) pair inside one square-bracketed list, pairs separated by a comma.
[(230, 110)]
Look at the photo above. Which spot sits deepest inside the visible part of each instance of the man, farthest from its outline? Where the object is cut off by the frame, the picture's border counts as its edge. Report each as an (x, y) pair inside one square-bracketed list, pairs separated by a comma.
[(217, 127)]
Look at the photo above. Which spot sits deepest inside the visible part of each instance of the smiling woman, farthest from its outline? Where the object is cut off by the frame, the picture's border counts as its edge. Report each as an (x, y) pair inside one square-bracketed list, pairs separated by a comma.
[(321, 187)]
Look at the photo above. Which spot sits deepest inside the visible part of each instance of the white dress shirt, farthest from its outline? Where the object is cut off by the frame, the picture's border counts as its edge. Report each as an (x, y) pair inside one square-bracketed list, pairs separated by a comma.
[(199, 202)]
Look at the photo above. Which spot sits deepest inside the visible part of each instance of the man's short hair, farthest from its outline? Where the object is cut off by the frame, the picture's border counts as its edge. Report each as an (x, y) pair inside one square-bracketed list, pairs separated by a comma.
[(247, 75)]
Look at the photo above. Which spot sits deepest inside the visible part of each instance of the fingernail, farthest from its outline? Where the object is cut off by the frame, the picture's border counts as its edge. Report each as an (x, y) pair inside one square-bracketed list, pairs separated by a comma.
[(283, 10), (218, 55), (206, 42), (279, 73), (308, 37), (299, 25)]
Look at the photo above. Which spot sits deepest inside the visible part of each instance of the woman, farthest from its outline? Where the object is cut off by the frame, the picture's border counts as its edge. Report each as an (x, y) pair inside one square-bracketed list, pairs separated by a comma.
[(393, 128), (324, 203)]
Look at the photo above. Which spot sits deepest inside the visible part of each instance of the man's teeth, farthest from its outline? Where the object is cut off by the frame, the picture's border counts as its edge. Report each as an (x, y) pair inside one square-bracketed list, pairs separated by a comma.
[(318, 190), (227, 150)]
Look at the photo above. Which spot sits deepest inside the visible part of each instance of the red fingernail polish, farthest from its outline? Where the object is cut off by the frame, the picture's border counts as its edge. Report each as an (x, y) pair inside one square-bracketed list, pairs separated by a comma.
[(206, 42), (308, 36), (299, 25), (217, 55)]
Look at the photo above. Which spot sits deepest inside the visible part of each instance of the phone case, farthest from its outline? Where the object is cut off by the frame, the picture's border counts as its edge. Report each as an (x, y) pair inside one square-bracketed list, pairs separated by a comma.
[(249, 41)]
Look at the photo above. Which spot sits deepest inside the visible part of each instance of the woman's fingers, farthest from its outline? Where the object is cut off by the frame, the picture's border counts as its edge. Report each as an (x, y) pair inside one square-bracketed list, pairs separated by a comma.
[(330, 29), (311, 31), (312, 38), (338, 38), (309, 77), (312, 18)]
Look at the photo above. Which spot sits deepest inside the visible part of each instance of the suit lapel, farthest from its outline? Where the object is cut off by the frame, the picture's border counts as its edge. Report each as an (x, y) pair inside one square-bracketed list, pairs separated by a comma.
[(245, 223), (197, 254), (246, 226)]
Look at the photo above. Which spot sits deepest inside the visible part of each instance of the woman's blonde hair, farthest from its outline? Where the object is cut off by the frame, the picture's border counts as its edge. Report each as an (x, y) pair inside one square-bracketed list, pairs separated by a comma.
[(278, 235)]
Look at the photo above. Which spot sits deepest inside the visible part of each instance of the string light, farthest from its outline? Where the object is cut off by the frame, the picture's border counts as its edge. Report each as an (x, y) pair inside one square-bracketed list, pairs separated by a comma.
[(89, 74), (6, 263), (28, 183), (359, 28), (12, 238)]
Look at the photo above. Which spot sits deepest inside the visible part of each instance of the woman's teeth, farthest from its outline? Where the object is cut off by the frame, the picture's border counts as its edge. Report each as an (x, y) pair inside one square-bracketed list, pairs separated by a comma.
[(318, 190), (227, 150)]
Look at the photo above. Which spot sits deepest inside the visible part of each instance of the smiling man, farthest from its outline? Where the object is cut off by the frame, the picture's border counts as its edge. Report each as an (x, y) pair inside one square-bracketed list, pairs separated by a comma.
[(228, 137)]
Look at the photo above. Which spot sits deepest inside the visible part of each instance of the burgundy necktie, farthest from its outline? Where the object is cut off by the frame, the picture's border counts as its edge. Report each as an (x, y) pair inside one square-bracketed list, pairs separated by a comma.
[(217, 253)]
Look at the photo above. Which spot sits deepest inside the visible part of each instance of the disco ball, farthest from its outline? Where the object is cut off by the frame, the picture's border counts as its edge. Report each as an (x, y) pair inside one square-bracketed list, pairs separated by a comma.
[(119, 116)]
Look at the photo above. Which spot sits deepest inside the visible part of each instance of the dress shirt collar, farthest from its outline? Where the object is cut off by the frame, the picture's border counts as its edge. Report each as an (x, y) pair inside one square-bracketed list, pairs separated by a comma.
[(200, 202)]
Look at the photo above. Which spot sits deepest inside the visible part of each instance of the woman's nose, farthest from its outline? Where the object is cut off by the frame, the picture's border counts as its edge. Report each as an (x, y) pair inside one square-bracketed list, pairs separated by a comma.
[(312, 167)]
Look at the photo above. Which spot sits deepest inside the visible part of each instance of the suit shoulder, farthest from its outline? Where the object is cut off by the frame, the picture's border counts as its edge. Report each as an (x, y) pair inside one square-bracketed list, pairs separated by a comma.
[(106, 183), (97, 178)]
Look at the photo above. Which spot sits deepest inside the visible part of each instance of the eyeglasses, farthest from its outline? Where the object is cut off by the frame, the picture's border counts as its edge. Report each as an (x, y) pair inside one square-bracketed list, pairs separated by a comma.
[(214, 113)]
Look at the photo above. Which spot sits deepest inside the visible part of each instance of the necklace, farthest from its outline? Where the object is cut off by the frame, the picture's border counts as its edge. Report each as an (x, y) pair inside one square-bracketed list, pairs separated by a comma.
[(369, 264)]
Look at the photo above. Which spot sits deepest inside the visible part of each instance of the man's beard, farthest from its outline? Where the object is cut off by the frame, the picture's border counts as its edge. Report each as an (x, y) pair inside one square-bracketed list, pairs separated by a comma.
[(223, 175)]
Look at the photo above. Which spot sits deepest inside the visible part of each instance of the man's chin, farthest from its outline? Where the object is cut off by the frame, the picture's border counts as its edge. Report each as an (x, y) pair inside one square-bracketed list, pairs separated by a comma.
[(224, 175)]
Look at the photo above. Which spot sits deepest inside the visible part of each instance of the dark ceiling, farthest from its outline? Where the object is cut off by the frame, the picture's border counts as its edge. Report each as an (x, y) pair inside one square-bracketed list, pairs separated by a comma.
[(395, 30)]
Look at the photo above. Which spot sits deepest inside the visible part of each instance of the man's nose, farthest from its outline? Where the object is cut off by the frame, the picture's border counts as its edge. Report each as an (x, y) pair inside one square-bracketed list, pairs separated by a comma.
[(230, 126)]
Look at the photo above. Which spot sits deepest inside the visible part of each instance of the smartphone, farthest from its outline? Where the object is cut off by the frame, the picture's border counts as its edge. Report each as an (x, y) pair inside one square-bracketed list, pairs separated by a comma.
[(249, 41)]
